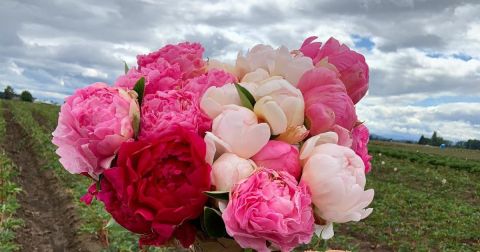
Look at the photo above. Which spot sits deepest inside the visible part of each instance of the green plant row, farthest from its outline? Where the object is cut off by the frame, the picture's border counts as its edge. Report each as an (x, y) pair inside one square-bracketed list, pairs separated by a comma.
[(8, 198), (93, 218), (425, 158)]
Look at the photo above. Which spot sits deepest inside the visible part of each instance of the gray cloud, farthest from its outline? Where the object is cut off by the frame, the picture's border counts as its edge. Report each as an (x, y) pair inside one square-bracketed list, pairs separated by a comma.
[(52, 47)]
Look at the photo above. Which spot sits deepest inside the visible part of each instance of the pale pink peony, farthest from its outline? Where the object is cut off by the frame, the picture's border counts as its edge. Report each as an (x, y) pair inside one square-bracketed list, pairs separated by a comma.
[(361, 136), (159, 75), (336, 178), (238, 131), (326, 101), (269, 206), (229, 169), (92, 125), (351, 65), (164, 109), (188, 56), (279, 156), (213, 78)]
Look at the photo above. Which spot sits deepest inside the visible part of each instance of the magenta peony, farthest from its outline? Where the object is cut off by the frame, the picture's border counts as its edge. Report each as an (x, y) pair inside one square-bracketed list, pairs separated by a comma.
[(157, 187), (351, 65), (165, 109), (188, 56), (326, 101), (279, 156), (361, 136), (213, 78), (269, 207), (159, 75), (92, 125)]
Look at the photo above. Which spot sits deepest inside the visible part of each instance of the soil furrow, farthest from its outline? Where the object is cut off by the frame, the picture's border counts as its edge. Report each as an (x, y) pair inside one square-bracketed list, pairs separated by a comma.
[(46, 208)]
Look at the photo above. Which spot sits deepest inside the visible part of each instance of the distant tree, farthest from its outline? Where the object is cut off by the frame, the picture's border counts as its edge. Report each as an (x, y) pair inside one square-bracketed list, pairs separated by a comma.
[(423, 140), (473, 144), (8, 93), (436, 140), (26, 96)]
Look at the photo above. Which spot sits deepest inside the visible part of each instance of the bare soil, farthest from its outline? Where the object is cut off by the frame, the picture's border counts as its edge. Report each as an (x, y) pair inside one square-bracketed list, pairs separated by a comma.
[(46, 207)]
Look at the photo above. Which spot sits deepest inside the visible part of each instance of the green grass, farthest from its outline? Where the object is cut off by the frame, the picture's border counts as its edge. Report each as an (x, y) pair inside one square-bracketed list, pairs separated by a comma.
[(413, 209), (8, 198)]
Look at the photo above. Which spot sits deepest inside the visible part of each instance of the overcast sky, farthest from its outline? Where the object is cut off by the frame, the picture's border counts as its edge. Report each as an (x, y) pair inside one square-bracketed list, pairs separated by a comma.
[(424, 56)]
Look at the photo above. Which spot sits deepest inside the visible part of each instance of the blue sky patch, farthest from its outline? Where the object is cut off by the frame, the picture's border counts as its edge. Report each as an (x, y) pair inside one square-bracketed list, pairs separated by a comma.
[(363, 42), (446, 99)]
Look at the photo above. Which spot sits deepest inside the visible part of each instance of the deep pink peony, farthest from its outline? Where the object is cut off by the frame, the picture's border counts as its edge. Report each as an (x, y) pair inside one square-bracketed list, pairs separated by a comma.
[(351, 65), (92, 125), (213, 78), (279, 156), (159, 75), (188, 56), (269, 206), (361, 136), (326, 101), (165, 109), (157, 186)]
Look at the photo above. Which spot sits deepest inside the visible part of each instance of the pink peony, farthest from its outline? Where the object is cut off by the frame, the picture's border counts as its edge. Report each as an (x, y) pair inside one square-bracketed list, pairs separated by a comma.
[(351, 65), (213, 78), (279, 156), (361, 136), (159, 75), (269, 206), (228, 169), (188, 56), (336, 178), (326, 101), (92, 125), (164, 109)]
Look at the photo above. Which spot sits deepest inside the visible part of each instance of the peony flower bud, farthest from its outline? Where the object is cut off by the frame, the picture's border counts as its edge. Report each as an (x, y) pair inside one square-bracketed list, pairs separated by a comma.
[(229, 169), (215, 98), (279, 156)]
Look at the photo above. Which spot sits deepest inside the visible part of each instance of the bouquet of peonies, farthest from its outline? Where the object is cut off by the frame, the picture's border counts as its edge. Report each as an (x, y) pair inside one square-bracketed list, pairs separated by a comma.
[(268, 151)]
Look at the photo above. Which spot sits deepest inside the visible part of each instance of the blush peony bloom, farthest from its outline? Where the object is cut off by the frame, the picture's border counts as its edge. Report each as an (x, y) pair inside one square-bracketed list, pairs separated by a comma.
[(277, 62), (361, 136), (351, 65), (237, 130), (92, 125), (215, 98), (336, 178), (326, 101), (157, 187), (188, 56), (213, 78), (279, 156), (269, 206), (280, 104), (175, 107), (228, 169)]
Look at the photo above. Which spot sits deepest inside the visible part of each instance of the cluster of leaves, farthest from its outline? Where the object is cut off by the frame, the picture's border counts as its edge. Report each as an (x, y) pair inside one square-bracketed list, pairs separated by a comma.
[(8, 200)]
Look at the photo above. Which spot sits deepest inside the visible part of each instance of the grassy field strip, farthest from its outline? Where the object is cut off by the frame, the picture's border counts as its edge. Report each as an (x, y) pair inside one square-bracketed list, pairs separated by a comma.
[(8, 201), (93, 218)]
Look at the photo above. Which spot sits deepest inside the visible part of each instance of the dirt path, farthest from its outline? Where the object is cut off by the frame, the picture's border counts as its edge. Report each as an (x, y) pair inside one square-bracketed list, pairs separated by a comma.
[(48, 212)]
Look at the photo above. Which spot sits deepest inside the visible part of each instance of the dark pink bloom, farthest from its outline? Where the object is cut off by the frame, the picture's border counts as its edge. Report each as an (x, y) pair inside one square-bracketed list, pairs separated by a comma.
[(279, 156), (361, 136), (326, 101), (165, 109), (351, 65), (212, 78)]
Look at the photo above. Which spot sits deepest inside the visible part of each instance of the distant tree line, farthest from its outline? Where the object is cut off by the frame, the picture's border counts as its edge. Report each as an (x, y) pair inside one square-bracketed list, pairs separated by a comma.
[(9, 94), (436, 140)]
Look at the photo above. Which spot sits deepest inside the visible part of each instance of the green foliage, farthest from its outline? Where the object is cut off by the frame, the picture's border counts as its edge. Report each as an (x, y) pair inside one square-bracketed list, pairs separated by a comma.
[(245, 97), (26, 96), (8, 200), (8, 93)]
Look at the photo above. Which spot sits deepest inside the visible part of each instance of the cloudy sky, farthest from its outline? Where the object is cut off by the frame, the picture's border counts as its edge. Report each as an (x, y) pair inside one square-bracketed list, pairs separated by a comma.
[(424, 55)]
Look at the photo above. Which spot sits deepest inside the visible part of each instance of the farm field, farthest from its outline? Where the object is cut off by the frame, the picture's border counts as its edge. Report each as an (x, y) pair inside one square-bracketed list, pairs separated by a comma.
[(426, 199)]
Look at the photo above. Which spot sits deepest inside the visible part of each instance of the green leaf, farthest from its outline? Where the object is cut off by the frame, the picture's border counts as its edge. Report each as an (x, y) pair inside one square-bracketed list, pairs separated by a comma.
[(214, 225), (110, 223), (220, 195), (140, 88), (136, 124), (126, 67), (246, 97)]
